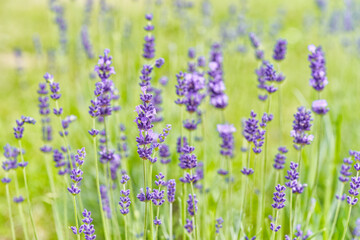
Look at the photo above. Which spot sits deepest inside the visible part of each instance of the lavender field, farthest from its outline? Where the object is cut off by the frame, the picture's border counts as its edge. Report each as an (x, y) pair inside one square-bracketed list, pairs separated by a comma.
[(179, 119)]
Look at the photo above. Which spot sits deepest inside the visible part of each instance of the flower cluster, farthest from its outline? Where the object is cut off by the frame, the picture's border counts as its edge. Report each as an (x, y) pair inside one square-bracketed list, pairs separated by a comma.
[(226, 133), (188, 160), (124, 196), (65, 124), (279, 203), (259, 54), (345, 170), (149, 45), (302, 124), (76, 173), (280, 50), (171, 188), (354, 186), (216, 79), (189, 226), (320, 107), (292, 178), (267, 75), (85, 40), (218, 224), (19, 129), (280, 158), (164, 154), (44, 112), (87, 228), (318, 70), (60, 162)]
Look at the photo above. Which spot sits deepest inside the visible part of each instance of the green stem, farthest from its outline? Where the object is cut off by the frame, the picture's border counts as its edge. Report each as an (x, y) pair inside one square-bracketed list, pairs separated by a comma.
[(157, 226), (336, 212), (170, 223), (194, 217), (276, 219), (184, 209), (290, 212), (230, 215), (21, 211), (151, 207), (10, 212), (347, 223), (27, 192), (146, 202), (98, 186), (76, 219), (317, 160)]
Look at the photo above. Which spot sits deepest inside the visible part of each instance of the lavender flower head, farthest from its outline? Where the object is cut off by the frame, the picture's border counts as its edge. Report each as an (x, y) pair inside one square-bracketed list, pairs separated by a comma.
[(19, 129), (218, 224), (171, 188), (76, 173), (320, 107), (280, 158), (87, 228), (189, 226), (280, 50), (318, 69), (301, 125), (124, 196), (216, 84), (279, 197), (149, 45), (226, 133)]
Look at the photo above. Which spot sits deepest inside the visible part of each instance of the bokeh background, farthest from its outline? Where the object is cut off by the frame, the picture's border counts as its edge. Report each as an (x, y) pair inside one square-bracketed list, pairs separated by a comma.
[(30, 45)]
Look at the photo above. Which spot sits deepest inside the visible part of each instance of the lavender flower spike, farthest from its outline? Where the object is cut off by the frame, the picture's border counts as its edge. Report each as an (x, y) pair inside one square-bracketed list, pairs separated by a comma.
[(280, 50), (318, 69), (320, 107)]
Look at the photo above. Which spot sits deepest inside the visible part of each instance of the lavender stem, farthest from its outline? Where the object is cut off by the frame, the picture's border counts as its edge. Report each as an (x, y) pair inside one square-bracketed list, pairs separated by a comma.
[(98, 185), (21, 211), (10, 212), (337, 211), (27, 192)]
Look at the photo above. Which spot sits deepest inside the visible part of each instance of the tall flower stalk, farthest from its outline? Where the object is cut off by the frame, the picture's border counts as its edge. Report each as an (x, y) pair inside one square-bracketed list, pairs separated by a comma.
[(18, 133), (6, 180)]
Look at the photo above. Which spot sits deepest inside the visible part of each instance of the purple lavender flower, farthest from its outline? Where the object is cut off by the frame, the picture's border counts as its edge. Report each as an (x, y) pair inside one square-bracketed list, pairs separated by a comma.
[(226, 133), (61, 23), (85, 40), (354, 186), (124, 196), (87, 228), (280, 50), (19, 129), (187, 159), (280, 158), (158, 197), (192, 205), (216, 84), (318, 69), (149, 45), (105, 201), (292, 176), (279, 197), (345, 170), (144, 197), (5, 180), (160, 180), (218, 224), (157, 221), (267, 75), (164, 154), (254, 40), (300, 233), (320, 107), (247, 171), (189, 226), (171, 188), (76, 173), (302, 124), (19, 199)]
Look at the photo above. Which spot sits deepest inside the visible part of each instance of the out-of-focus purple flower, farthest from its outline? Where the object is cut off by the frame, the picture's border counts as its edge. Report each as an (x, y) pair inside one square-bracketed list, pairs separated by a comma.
[(19, 199), (320, 107), (254, 40), (105, 201), (157, 221), (164, 154), (318, 69), (5, 180), (144, 197), (149, 45), (259, 54), (85, 40), (216, 84), (218, 224), (61, 23), (302, 124), (280, 50), (171, 188), (76, 173), (65, 124), (247, 171), (267, 75), (189, 226), (300, 235), (280, 158), (159, 62), (226, 133), (164, 80), (158, 197), (356, 231)]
